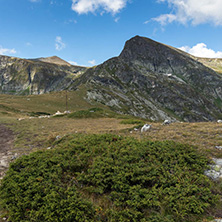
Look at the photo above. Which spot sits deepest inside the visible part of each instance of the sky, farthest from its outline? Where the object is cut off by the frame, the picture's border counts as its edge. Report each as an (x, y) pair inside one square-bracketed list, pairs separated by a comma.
[(88, 32)]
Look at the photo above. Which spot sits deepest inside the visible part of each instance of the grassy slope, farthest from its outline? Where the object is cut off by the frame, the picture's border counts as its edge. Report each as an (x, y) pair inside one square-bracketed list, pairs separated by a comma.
[(35, 134)]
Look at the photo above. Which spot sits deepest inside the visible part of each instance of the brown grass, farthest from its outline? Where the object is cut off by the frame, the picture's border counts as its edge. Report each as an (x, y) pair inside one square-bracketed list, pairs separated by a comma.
[(204, 135), (33, 134)]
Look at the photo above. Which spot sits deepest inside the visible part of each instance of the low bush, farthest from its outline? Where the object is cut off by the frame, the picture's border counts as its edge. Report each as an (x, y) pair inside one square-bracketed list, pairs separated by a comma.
[(132, 121), (90, 113), (108, 178)]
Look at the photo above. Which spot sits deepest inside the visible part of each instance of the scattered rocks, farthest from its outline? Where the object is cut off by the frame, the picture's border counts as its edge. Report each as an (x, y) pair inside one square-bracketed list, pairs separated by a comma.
[(145, 128), (166, 122), (218, 147), (20, 119), (58, 137), (215, 172), (6, 142)]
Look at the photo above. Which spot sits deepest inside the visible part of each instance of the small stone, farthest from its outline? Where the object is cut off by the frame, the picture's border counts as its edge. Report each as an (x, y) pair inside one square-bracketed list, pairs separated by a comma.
[(212, 174), (58, 137), (218, 161), (48, 148), (218, 147), (217, 168)]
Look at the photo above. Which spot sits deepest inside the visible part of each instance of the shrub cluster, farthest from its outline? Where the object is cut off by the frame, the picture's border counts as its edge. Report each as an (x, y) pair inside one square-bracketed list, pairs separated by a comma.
[(132, 121), (108, 178)]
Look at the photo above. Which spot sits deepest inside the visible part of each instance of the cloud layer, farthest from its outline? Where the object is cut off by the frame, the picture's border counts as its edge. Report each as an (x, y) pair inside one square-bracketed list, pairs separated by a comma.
[(110, 6), (194, 11), (201, 50), (4, 51), (59, 44), (92, 62)]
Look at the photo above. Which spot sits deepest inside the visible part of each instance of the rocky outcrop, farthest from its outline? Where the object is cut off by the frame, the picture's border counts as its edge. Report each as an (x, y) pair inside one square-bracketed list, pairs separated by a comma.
[(21, 76), (148, 79), (152, 80)]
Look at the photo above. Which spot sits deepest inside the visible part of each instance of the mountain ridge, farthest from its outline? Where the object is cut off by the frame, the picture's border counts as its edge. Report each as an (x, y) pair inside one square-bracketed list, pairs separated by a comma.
[(148, 79)]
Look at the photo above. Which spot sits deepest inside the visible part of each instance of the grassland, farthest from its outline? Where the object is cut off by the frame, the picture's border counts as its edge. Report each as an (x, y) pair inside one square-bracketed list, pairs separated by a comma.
[(39, 133)]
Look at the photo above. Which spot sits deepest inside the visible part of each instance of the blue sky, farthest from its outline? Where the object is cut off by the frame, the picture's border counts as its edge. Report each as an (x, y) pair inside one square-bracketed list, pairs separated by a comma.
[(88, 32)]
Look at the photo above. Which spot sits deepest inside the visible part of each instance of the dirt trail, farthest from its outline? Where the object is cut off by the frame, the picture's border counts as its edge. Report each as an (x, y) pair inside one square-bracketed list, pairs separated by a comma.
[(6, 144)]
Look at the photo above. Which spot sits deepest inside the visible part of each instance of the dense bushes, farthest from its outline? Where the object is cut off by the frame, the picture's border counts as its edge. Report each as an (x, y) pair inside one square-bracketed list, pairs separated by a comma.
[(108, 178)]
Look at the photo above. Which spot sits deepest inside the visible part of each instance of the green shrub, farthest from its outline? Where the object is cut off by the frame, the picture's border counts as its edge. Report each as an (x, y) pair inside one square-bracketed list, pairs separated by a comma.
[(132, 121), (108, 178), (90, 113)]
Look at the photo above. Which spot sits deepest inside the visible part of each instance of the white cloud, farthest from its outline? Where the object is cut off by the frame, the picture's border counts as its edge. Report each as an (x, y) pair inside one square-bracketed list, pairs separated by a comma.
[(28, 44), (110, 6), (73, 63), (201, 50), (164, 19), (92, 62), (34, 0), (194, 11), (71, 21), (59, 44), (4, 51), (117, 19)]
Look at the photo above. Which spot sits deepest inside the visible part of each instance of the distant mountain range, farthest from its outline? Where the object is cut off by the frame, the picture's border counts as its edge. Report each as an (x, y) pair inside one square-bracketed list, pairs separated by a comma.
[(148, 79)]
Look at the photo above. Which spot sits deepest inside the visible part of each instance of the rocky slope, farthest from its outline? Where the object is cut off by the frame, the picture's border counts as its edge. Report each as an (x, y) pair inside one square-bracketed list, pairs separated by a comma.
[(148, 79), (151, 80), (22, 76)]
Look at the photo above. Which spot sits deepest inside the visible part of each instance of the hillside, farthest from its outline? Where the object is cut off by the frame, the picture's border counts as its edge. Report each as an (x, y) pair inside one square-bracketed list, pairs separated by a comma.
[(52, 59), (151, 80), (22, 76), (148, 80), (215, 64)]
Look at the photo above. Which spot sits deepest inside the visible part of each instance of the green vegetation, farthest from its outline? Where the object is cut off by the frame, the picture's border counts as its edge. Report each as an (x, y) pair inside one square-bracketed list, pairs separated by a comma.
[(108, 178), (92, 113), (132, 121)]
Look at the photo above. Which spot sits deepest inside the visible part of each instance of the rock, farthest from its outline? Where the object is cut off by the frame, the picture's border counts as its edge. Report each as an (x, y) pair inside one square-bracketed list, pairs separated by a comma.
[(218, 147), (36, 76), (58, 137), (3, 162), (19, 119), (219, 121), (49, 148), (217, 161), (145, 128), (216, 170), (166, 122), (212, 174)]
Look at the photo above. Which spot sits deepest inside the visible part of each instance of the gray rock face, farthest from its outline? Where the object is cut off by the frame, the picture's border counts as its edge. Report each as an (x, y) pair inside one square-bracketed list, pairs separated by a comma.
[(21, 76), (148, 79), (152, 80), (215, 172)]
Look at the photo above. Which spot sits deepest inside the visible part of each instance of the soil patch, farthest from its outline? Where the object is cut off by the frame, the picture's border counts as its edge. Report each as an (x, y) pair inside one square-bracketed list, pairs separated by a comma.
[(6, 144)]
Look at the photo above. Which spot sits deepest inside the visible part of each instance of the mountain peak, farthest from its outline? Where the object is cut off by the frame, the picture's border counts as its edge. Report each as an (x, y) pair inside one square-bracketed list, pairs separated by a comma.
[(138, 48), (54, 60)]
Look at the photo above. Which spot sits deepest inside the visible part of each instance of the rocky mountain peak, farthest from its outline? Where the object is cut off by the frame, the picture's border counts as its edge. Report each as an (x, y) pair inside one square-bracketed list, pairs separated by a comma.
[(138, 48), (53, 59)]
